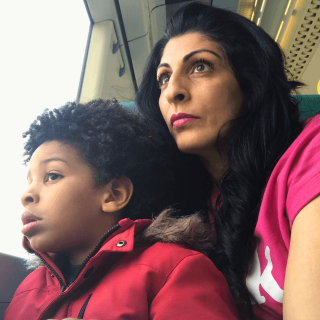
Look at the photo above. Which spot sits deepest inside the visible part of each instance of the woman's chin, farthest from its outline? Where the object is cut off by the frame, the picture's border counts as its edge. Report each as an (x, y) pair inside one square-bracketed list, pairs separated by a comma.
[(189, 148), (198, 142), (193, 146)]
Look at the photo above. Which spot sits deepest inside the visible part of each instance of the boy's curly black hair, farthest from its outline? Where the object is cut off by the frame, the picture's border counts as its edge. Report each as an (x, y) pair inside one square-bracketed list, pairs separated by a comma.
[(116, 142)]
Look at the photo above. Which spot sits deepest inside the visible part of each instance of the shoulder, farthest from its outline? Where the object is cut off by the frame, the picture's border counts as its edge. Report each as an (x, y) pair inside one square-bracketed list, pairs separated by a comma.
[(303, 165), (309, 136), (310, 133), (163, 265), (35, 280), (168, 241), (300, 162), (295, 180), (312, 122), (192, 285), (171, 245), (165, 257), (309, 139)]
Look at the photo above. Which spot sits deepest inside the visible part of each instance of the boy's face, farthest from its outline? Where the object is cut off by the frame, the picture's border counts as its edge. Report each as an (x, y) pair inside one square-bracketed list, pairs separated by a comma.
[(63, 204)]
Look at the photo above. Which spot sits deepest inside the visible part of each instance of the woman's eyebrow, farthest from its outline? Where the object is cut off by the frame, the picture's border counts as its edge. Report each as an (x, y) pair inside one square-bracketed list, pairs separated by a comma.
[(163, 65), (188, 56)]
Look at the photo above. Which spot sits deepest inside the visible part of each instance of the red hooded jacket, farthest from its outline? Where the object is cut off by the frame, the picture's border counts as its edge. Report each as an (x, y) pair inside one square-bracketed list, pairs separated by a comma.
[(119, 281)]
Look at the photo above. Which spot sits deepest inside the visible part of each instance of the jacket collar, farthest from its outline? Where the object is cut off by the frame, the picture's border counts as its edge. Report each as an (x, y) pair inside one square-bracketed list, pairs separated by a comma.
[(120, 240)]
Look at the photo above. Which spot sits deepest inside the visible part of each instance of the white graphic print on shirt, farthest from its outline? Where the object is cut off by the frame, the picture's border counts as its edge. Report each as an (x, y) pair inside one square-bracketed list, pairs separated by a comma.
[(266, 279)]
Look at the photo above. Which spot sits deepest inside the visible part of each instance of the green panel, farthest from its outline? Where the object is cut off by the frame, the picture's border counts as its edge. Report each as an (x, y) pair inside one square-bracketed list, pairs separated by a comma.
[(309, 105)]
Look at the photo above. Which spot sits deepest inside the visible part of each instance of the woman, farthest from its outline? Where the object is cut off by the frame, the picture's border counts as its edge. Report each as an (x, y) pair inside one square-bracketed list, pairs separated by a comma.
[(218, 83)]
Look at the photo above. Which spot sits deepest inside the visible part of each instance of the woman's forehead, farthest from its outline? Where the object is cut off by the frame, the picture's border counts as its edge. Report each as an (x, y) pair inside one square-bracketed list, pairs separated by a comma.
[(180, 46)]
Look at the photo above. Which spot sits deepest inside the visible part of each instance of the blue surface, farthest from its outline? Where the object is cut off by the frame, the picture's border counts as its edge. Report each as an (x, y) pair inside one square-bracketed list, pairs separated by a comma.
[(130, 105)]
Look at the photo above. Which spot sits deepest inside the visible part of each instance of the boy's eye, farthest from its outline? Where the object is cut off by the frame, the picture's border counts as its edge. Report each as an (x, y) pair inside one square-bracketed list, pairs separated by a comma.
[(52, 176)]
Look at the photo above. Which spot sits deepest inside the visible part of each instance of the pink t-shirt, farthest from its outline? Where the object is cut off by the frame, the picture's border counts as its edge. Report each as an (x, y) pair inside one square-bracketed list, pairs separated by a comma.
[(294, 182)]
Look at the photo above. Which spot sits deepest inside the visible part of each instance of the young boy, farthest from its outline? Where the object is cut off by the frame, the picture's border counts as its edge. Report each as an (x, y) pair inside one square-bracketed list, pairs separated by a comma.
[(97, 175)]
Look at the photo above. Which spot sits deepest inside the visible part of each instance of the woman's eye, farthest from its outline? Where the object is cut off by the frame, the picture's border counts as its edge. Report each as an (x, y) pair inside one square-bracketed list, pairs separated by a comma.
[(163, 79), (53, 176), (202, 66)]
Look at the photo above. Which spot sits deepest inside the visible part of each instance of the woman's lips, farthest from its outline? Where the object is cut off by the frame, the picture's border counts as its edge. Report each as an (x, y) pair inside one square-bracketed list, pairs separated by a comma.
[(180, 119)]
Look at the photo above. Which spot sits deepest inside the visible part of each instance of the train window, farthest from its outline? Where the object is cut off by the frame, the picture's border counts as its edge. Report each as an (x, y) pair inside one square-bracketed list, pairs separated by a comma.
[(43, 46)]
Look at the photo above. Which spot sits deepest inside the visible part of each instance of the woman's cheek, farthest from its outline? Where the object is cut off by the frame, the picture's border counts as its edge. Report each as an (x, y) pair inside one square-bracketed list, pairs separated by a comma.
[(164, 111)]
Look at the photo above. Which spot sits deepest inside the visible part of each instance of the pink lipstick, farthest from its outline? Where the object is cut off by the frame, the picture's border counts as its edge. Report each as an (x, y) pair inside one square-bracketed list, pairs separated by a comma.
[(181, 119)]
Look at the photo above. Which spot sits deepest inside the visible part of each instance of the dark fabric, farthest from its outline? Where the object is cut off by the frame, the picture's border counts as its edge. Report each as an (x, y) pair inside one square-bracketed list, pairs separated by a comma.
[(70, 271)]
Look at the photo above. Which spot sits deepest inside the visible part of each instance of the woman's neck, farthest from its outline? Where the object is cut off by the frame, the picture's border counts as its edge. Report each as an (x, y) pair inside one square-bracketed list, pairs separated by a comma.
[(215, 163)]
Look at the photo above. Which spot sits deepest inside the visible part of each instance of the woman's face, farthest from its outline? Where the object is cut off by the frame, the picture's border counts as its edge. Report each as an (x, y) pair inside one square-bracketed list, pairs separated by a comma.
[(199, 91)]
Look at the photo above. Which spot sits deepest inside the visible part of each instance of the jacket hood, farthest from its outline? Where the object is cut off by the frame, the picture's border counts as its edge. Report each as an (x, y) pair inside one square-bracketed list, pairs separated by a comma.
[(189, 231)]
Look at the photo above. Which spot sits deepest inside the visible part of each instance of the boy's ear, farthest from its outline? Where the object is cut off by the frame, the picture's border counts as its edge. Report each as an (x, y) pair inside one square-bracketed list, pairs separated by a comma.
[(118, 193)]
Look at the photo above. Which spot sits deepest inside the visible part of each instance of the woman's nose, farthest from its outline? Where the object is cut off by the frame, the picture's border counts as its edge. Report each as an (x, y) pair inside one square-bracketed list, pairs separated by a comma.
[(177, 90), (29, 196)]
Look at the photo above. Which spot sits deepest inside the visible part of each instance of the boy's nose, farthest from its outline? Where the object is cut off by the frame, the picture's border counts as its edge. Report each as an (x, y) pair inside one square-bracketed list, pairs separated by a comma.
[(28, 197)]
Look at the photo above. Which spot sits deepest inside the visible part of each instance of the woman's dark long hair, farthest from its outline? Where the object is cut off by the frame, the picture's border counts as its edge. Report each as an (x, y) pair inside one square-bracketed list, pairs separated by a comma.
[(267, 126)]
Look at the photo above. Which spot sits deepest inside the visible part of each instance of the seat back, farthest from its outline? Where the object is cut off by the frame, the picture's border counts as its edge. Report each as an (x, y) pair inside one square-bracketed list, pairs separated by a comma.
[(12, 272)]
